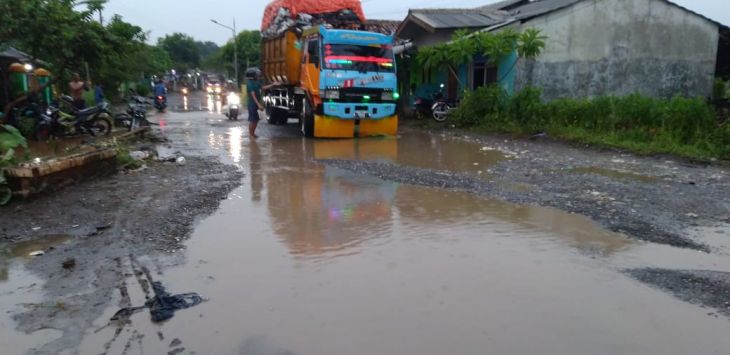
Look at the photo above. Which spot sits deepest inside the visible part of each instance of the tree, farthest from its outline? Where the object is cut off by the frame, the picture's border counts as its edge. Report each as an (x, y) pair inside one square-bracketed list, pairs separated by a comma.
[(133, 58), (61, 32), (207, 49), (183, 51), (249, 52)]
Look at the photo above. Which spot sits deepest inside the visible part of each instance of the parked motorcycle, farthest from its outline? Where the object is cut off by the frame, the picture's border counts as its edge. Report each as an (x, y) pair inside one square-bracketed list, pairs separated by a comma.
[(54, 122), (442, 107), (160, 103), (422, 107), (135, 116)]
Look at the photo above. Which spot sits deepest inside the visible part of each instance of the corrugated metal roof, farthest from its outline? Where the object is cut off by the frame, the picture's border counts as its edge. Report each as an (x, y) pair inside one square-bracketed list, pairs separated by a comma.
[(500, 13), (540, 7), (458, 18)]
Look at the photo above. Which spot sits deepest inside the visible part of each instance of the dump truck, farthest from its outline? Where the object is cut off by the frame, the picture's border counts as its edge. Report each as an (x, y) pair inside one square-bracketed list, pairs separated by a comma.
[(337, 81)]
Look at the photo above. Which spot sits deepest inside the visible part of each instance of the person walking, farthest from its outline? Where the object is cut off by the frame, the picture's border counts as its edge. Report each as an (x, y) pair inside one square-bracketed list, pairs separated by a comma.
[(76, 86)]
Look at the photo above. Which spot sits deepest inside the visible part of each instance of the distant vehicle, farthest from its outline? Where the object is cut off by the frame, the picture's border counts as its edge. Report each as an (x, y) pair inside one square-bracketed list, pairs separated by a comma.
[(214, 88), (160, 103), (232, 108)]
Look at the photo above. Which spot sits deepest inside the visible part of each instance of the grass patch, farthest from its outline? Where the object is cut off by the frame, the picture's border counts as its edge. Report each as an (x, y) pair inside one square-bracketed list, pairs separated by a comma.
[(679, 126), (125, 160)]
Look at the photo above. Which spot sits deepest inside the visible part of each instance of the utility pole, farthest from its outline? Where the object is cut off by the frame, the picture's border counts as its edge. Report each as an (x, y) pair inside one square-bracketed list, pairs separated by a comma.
[(235, 45), (235, 53)]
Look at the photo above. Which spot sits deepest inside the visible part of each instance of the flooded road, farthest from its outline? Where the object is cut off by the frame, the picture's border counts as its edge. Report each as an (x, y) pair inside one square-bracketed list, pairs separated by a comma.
[(308, 259)]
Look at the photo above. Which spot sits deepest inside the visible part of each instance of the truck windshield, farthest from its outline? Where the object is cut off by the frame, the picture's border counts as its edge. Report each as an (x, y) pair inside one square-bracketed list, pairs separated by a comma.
[(377, 58)]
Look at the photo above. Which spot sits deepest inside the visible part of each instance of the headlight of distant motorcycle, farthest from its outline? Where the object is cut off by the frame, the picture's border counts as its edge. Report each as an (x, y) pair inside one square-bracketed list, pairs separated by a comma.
[(332, 94), (233, 99), (387, 96), (49, 112)]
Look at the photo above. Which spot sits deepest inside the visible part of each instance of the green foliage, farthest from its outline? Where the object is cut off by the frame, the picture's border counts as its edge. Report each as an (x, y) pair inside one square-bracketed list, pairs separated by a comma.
[(530, 43), (495, 46), (683, 126), (720, 90), (125, 161), (61, 32), (249, 52), (183, 51), (10, 138)]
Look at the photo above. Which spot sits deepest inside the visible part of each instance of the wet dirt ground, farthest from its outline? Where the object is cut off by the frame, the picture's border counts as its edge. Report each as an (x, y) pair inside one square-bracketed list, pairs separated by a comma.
[(428, 243)]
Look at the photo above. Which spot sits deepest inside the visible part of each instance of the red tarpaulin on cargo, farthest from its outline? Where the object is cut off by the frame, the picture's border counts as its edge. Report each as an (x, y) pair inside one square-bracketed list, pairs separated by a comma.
[(310, 7)]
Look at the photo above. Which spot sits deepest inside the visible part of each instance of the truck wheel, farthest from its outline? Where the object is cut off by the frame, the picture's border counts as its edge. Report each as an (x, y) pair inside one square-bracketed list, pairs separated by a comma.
[(306, 119), (277, 116)]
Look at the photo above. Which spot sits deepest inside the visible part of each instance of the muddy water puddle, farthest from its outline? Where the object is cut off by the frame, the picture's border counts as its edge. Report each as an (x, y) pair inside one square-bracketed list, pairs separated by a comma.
[(19, 291), (308, 259)]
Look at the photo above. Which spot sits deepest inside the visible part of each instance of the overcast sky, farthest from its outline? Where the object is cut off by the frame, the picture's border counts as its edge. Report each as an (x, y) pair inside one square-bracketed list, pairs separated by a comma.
[(161, 17)]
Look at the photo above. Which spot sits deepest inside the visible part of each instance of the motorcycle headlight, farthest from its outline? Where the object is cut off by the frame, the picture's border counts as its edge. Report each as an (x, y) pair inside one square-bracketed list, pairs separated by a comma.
[(387, 96), (332, 94), (49, 112), (234, 99)]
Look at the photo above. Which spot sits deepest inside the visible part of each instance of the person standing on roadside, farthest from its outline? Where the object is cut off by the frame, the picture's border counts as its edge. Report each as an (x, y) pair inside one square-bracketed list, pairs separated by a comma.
[(99, 94), (253, 91), (77, 91)]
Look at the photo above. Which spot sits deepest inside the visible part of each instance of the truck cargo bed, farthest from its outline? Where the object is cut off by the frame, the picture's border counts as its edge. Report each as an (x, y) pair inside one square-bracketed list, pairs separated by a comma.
[(281, 59)]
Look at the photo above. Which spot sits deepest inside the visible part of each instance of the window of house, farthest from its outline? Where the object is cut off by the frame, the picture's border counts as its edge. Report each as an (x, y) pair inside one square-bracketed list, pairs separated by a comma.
[(478, 76), (483, 75)]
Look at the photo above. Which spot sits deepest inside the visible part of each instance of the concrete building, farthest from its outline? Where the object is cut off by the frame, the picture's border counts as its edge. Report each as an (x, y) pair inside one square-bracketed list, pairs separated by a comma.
[(596, 47)]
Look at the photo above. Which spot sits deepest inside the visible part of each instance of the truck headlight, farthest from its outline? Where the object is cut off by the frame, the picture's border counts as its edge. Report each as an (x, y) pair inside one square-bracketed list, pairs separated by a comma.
[(332, 94), (387, 96)]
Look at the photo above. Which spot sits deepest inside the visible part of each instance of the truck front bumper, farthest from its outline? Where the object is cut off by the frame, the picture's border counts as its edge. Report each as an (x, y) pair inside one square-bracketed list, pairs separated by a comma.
[(336, 127), (355, 111)]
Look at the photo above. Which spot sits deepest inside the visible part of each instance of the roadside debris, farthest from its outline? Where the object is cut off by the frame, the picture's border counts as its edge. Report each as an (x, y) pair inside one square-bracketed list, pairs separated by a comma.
[(162, 306), (69, 264), (139, 155), (37, 253), (180, 161)]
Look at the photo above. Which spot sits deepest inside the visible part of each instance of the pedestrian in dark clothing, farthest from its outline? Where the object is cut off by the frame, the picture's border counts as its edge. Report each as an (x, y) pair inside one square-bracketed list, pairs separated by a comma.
[(77, 87), (99, 94), (253, 91)]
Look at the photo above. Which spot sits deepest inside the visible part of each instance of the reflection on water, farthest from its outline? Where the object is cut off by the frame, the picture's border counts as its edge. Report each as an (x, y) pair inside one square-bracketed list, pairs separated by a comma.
[(22, 250), (235, 138), (429, 151), (317, 209), (307, 259), (214, 104)]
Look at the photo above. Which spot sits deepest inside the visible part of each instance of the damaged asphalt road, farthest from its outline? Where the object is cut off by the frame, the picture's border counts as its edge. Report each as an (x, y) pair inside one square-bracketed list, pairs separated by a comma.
[(646, 198), (148, 212), (302, 242), (652, 199)]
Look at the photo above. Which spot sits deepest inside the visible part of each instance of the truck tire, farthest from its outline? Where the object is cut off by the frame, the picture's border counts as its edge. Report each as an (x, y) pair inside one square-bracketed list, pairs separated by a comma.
[(306, 118), (277, 116)]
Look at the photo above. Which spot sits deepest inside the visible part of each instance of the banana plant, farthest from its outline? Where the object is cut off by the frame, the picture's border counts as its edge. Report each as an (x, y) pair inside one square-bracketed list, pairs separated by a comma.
[(10, 138)]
